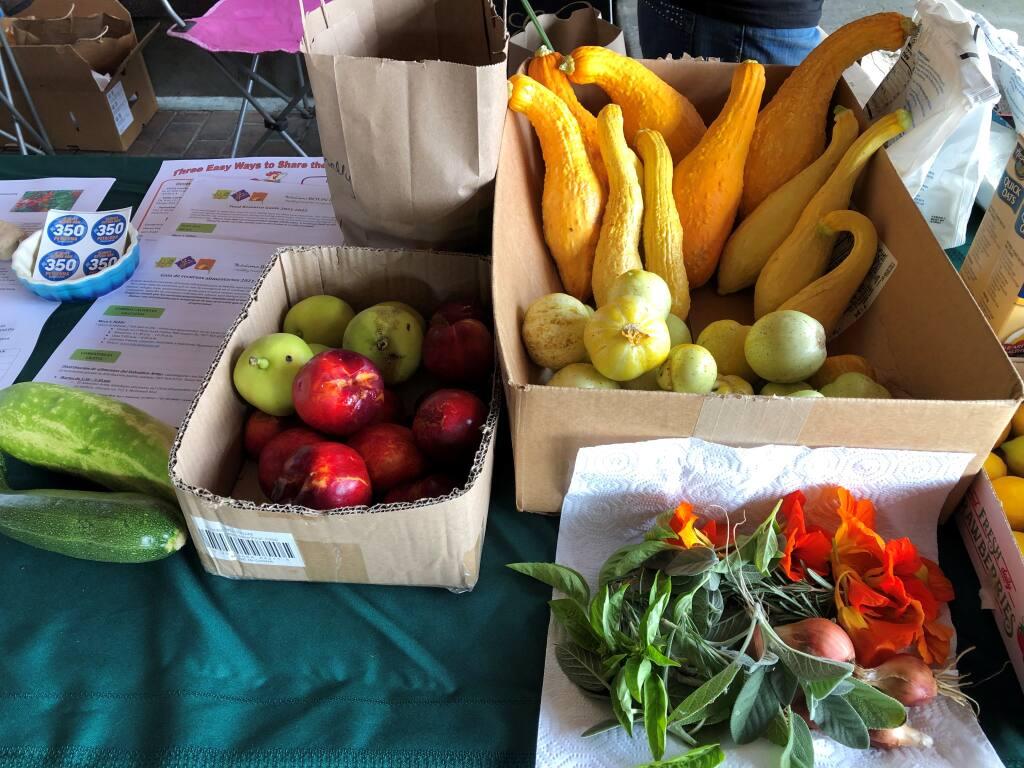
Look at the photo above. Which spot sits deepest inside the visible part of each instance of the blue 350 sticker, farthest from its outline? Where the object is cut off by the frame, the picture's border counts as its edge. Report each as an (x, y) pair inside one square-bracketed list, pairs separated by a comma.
[(67, 230), (100, 260), (58, 265), (109, 229)]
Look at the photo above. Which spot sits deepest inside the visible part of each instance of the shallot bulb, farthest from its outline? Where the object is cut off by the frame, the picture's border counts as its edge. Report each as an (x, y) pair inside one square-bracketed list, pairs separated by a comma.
[(818, 637), (904, 677), (904, 736)]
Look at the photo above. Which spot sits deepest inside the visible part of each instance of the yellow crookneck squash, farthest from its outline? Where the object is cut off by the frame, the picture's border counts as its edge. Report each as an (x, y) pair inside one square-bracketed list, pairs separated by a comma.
[(803, 256), (828, 297), (544, 69), (647, 101), (708, 182), (790, 131), (573, 198), (618, 248), (759, 234), (662, 232)]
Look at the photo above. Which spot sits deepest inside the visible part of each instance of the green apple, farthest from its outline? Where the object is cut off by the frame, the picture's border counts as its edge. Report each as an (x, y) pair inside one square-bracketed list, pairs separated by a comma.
[(785, 346), (678, 333), (407, 308), (319, 320), (645, 381), (391, 336), (807, 393), (265, 370), (581, 376), (646, 286), (774, 389), (689, 368), (853, 384), (724, 339), (731, 384), (318, 348)]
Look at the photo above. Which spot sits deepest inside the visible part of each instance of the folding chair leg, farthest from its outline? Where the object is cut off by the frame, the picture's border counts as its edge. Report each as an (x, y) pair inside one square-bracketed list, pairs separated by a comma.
[(44, 140), (307, 111), (244, 108)]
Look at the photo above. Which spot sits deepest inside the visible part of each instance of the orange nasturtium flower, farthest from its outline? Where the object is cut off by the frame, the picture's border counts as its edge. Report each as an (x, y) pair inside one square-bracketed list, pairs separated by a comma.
[(806, 548), (684, 523), (887, 595)]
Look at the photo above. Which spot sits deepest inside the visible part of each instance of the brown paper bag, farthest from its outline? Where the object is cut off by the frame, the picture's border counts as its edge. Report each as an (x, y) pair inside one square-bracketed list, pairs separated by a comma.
[(410, 101), (100, 39), (582, 26)]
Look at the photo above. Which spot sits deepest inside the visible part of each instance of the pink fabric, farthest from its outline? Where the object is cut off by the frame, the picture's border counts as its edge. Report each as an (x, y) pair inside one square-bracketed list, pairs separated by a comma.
[(249, 26)]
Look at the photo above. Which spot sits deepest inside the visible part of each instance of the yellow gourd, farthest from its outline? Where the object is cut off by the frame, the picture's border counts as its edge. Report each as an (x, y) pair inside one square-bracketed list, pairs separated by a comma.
[(790, 131), (544, 69), (759, 234), (647, 101), (625, 339), (803, 256), (828, 297), (618, 247), (573, 198), (662, 232), (708, 182), (836, 365)]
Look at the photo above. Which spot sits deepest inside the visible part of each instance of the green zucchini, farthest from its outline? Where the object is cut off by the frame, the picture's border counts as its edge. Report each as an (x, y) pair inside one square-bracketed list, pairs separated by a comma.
[(92, 525), (92, 436)]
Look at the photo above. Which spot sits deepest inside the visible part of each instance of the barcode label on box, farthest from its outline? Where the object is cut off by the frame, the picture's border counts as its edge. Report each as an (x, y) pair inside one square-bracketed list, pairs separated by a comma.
[(225, 542)]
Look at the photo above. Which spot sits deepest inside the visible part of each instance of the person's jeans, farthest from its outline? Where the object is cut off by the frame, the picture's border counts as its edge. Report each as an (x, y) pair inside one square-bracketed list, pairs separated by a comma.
[(666, 29)]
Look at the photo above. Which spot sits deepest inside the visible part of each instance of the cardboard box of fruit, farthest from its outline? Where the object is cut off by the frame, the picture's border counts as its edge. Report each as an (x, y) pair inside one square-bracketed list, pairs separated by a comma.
[(340, 435), (911, 363)]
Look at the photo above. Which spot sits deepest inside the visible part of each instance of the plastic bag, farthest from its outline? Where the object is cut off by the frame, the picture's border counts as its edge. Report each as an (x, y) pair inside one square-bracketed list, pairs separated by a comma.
[(944, 79)]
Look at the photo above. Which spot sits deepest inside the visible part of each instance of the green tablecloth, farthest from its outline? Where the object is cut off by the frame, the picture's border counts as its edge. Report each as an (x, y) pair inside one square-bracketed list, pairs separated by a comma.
[(163, 664)]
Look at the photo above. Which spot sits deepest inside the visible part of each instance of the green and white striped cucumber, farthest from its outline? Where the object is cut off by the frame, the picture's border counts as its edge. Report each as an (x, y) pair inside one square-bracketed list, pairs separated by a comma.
[(92, 436), (93, 525)]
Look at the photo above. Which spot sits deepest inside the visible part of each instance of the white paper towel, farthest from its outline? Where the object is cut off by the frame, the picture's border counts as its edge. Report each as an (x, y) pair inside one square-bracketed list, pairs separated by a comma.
[(616, 492)]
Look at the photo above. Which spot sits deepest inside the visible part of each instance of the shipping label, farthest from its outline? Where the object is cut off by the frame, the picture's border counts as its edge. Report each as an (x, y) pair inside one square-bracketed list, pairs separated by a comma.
[(225, 542)]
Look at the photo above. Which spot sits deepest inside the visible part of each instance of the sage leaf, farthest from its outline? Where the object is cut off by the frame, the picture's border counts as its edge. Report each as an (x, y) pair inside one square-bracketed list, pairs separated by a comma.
[(655, 714), (660, 531), (840, 721), (807, 668), (691, 562), (819, 689), (622, 702), (875, 708), (637, 670), (629, 558), (565, 580), (783, 683), (754, 708), (692, 708), (570, 615), (732, 624), (582, 667), (779, 730), (802, 753), (707, 756), (603, 727)]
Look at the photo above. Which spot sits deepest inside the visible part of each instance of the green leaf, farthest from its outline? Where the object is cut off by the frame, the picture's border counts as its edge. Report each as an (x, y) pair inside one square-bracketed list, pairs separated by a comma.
[(655, 714), (707, 756), (603, 727), (754, 708), (840, 721), (637, 670), (622, 702), (691, 562), (778, 731), (807, 668), (570, 615), (660, 658), (565, 580), (602, 621), (875, 708), (629, 558), (783, 683), (610, 662), (707, 608), (816, 690), (693, 707), (582, 667), (651, 621), (762, 545), (731, 624), (660, 531)]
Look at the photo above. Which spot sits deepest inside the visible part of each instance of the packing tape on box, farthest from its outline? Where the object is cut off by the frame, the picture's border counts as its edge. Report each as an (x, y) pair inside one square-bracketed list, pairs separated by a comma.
[(753, 421)]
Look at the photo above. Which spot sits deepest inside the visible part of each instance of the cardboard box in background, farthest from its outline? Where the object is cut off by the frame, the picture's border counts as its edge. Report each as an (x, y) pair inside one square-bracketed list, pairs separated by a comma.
[(429, 543), (999, 564), (994, 268), (922, 333), (76, 112)]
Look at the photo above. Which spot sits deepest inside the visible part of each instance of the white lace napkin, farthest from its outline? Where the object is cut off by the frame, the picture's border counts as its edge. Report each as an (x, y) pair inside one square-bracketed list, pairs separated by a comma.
[(617, 490)]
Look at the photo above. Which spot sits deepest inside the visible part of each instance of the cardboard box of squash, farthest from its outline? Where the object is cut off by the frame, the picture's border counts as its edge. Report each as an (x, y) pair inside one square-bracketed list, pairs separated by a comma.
[(687, 184)]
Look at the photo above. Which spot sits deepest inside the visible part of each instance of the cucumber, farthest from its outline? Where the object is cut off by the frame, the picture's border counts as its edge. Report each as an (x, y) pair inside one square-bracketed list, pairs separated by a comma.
[(98, 438), (93, 525)]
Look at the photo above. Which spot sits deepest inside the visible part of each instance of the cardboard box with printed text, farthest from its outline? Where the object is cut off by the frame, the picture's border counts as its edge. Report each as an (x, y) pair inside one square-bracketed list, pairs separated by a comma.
[(955, 389), (240, 534)]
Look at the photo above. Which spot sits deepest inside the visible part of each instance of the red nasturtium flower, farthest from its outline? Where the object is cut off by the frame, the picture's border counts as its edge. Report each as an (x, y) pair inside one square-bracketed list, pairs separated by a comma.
[(684, 523), (806, 548), (887, 595)]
